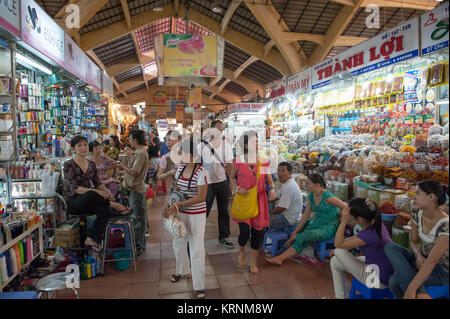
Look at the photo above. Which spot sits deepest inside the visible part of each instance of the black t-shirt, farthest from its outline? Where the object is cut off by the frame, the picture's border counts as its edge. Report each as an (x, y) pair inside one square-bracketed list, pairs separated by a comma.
[(153, 148)]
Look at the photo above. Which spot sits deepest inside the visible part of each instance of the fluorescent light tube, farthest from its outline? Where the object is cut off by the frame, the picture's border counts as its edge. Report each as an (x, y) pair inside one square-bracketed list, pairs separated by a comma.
[(24, 59)]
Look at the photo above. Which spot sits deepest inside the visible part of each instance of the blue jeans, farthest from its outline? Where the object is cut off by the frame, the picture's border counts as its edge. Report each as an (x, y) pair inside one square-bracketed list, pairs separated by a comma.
[(278, 222), (138, 204), (404, 263)]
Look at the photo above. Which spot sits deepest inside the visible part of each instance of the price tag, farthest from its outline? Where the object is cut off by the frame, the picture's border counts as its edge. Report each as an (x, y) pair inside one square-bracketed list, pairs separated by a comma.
[(436, 168), (416, 154), (434, 154), (392, 164), (389, 181), (405, 165), (420, 167)]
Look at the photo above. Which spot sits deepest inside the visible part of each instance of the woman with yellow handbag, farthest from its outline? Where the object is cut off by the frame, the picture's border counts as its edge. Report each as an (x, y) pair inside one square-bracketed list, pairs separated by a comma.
[(250, 206)]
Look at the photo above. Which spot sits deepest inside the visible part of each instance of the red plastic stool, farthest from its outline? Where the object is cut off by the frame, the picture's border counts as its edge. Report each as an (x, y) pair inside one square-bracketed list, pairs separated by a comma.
[(161, 187)]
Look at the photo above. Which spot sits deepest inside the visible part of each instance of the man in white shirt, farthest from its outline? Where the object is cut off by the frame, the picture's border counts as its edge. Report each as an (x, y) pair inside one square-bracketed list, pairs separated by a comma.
[(217, 156), (288, 211)]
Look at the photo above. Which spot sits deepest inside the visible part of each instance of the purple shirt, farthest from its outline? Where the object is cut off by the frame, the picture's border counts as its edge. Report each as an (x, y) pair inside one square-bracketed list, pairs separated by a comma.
[(374, 251)]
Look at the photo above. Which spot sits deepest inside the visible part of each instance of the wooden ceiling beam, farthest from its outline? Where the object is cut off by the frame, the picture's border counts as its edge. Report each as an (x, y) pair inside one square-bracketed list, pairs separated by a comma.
[(138, 52), (320, 39), (88, 8), (103, 35), (425, 5), (334, 32), (224, 84), (268, 46), (244, 65), (122, 66), (349, 3), (268, 17), (228, 15), (126, 12)]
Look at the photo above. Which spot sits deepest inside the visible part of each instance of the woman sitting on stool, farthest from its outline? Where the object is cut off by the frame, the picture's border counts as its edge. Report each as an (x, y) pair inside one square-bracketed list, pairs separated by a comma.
[(371, 242), (82, 199), (323, 226)]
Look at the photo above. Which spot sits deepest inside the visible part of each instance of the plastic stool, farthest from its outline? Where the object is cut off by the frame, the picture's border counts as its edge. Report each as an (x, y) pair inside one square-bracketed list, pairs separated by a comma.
[(289, 229), (19, 295), (278, 239), (162, 187), (437, 291), (127, 226), (323, 248), (368, 293)]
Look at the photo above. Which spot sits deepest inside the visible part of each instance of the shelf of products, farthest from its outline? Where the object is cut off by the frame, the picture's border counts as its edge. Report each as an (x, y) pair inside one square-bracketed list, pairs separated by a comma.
[(19, 252)]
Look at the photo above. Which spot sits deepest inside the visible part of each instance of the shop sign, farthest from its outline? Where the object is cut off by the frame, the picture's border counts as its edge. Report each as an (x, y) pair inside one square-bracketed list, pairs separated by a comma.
[(278, 88), (107, 84), (74, 58), (190, 55), (188, 110), (10, 16), (41, 32), (300, 82), (398, 44), (178, 106), (434, 29), (92, 74), (163, 124), (195, 98), (245, 107)]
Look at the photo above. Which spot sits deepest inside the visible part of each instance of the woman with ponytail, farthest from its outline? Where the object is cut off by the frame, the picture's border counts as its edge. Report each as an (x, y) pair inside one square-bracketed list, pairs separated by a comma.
[(322, 227), (370, 241), (426, 263)]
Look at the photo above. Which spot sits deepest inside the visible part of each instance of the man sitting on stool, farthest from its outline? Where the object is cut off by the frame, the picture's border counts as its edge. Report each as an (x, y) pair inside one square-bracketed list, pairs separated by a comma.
[(288, 211)]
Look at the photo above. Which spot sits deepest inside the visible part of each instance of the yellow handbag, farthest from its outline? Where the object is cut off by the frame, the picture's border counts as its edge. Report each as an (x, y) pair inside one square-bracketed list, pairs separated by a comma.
[(246, 206)]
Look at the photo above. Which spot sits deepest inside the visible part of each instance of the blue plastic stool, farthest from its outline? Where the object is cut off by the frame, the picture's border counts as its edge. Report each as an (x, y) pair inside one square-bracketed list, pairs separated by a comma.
[(323, 248), (278, 239), (437, 291), (19, 295), (289, 229), (368, 293)]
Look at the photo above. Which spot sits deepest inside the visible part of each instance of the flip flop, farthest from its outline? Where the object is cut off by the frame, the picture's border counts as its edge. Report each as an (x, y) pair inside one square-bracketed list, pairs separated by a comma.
[(310, 261)]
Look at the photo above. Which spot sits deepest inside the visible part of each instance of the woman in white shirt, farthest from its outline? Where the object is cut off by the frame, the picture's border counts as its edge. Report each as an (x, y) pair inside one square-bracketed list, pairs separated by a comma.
[(192, 180)]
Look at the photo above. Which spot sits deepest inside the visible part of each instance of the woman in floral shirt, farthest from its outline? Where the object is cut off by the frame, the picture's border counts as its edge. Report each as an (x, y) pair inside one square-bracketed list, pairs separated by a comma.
[(85, 194), (426, 264)]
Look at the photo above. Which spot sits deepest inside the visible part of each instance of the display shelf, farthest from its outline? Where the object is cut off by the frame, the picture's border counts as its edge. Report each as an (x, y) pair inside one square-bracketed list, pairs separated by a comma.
[(24, 266), (5, 94), (26, 180), (20, 237), (31, 197)]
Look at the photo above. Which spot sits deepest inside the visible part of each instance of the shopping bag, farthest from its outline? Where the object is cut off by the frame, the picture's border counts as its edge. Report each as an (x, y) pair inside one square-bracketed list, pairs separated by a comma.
[(246, 206), (173, 223)]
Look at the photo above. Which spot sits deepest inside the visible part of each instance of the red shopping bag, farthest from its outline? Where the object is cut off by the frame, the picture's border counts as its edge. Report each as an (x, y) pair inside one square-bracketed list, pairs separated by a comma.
[(149, 193)]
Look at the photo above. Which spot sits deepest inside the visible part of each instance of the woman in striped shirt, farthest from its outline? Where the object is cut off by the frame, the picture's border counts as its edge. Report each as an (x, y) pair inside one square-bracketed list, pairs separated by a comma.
[(192, 180)]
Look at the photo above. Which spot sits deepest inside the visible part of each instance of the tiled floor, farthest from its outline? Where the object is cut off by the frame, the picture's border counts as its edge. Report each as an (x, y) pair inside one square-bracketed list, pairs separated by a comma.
[(224, 280)]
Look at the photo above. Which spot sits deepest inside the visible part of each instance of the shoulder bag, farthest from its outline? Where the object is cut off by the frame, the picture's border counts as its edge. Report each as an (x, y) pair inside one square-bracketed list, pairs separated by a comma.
[(246, 206)]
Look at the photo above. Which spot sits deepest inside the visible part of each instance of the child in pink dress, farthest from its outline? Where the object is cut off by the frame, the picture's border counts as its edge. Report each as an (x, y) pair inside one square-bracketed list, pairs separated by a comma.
[(243, 178)]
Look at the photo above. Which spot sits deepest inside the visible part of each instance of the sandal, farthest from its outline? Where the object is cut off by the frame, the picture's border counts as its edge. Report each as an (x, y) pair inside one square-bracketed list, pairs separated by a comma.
[(310, 260), (176, 278), (201, 294)]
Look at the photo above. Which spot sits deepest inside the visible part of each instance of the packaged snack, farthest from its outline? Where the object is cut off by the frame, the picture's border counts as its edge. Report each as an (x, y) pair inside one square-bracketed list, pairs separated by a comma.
[(403, 202), (437, 73), (436, 129), (374, 195), (434, 141), (397, 84)]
